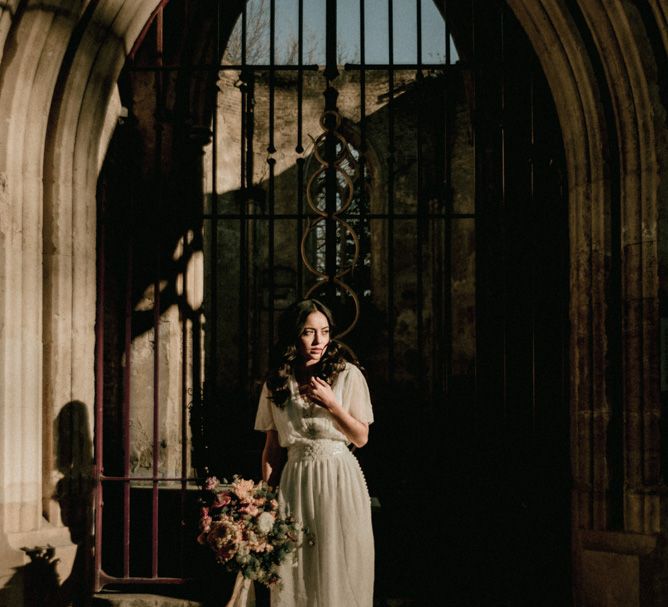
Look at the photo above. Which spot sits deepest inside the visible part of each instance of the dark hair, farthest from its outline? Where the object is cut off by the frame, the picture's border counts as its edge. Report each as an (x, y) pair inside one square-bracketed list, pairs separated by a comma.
[(285, 353)]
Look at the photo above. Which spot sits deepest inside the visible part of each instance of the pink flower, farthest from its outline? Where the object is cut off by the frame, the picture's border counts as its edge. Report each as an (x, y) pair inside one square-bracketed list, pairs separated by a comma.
[(211, 483), (262, 546), (243, 488), (236, 523), (222, 499), (249, 508), (224, 538)]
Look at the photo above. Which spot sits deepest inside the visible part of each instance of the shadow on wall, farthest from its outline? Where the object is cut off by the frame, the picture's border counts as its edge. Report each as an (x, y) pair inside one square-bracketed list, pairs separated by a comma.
[(37, 583)]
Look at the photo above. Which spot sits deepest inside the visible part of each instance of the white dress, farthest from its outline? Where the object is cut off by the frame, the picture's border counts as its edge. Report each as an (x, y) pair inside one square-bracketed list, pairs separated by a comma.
[(322, 485)]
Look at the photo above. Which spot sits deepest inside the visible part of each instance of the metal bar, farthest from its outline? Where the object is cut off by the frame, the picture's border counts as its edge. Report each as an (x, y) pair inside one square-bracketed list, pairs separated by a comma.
[(243, 243), (145, 30), (331, 68), (363, 149), (476, 194), (243, 301), (362, 36), (421, 210), (185, 446), (99, 396), (272, 80), (244, 34), (533, 269), (390, 196), (300, 149), (109, 579), (127, 375), (300, 77), (401, 67), (233, 216), (446, 344), (448, 58), (311, 67), (128, 477), (331, 191), (160, 48), (272, 165), (250, 167), (331, 181), (156, 425), (249, 136), (300, 225), (201, 454), (212, 367), (271, 161), (183, 319), (418, 19), (363, 207), (242, 145), (330, 205), (156, 312), (257, 67), (243, 206), (504, 210)]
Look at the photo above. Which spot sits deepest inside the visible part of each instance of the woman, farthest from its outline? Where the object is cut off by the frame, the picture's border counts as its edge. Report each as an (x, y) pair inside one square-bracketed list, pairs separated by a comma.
[(313, 404)]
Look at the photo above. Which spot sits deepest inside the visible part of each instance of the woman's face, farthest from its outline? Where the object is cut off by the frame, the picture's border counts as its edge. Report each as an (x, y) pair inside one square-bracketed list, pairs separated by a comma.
[(314, 338)]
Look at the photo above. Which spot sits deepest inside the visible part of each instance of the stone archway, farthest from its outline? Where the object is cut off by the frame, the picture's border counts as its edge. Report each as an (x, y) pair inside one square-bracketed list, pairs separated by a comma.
[(59, 66), (610, 163)]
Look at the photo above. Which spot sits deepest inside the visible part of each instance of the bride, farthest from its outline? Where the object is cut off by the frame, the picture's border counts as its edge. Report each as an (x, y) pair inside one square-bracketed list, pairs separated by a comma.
[(312, 406)]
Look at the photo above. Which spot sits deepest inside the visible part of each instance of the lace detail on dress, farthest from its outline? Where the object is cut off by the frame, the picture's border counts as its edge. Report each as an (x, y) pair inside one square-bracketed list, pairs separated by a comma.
[(316, 449)]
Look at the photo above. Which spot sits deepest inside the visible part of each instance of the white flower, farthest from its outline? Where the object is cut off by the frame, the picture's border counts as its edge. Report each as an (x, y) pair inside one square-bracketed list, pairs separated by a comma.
[(265, 522)]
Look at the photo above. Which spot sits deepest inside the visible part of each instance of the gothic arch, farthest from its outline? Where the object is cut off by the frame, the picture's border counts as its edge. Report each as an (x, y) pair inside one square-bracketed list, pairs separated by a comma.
[(634, 147), (570, 75), (60, 63), (639, 116), (54, 128)]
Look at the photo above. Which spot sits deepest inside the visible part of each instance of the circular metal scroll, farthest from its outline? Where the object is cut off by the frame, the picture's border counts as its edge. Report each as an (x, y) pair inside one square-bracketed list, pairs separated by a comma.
[(345, 189), (312, 267)]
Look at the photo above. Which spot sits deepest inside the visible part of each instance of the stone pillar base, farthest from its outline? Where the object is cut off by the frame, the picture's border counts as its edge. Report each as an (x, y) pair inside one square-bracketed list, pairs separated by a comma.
[(620, 569)]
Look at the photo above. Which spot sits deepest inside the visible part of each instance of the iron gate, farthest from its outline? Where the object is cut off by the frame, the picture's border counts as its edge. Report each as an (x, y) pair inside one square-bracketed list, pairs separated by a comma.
[(421, 199)]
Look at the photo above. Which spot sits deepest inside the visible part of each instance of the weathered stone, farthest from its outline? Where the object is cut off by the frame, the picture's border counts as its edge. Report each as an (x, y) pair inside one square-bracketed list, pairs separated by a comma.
[(141, 600), (50, 141)]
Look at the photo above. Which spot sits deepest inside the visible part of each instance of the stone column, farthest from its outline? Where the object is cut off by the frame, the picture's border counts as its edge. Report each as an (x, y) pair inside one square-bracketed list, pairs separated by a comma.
[(41, 82), (620, 43)]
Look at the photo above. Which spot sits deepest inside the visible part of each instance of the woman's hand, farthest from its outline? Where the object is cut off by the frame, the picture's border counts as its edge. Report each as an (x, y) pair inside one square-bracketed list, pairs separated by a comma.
[(320, 392)]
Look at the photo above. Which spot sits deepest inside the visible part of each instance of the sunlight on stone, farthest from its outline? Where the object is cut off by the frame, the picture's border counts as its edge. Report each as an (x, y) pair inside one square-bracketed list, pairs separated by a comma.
[(194, 291)]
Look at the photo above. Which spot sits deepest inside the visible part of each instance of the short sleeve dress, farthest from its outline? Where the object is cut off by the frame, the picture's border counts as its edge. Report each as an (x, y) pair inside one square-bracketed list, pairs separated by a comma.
[(322, 485)]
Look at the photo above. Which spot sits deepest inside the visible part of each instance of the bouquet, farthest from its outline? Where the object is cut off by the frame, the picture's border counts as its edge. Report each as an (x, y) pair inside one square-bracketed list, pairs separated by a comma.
[(241, 523)]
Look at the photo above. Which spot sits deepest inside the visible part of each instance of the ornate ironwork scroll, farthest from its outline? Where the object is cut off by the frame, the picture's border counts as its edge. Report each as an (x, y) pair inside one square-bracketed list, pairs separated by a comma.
[(330, 189)]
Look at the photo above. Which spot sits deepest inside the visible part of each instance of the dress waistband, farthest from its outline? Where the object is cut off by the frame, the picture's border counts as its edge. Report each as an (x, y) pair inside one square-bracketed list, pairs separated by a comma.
[(316, 449)]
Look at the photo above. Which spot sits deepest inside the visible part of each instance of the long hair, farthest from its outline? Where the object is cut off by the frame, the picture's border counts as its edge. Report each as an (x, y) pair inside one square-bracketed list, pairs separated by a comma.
[(285, 353)]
